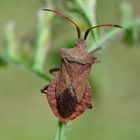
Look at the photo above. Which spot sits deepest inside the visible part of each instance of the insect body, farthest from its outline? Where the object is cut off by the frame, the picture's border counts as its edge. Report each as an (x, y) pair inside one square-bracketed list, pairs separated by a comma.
[(69, 94)]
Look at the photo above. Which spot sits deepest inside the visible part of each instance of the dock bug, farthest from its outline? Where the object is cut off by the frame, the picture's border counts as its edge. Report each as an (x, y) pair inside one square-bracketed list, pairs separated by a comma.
[(69, 94)]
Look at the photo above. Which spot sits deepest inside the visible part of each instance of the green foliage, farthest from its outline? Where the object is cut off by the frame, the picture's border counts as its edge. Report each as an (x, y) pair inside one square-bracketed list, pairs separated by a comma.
[(87, 10), (131, 34)]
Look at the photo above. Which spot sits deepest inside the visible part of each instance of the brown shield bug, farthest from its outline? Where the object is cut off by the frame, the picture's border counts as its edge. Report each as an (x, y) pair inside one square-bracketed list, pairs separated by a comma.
[(69, 94)]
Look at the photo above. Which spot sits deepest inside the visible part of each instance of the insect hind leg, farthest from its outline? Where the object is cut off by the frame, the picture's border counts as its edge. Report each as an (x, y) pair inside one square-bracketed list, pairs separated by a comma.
[(44, 89), (52, 99)]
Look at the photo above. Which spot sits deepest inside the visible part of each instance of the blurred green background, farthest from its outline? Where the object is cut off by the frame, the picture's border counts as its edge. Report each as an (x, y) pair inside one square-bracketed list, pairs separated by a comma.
[(24, 111)]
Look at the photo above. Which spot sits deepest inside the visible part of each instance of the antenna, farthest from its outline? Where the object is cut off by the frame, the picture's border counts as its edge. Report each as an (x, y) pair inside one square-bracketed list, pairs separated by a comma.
[(60, 14), (102, 25)]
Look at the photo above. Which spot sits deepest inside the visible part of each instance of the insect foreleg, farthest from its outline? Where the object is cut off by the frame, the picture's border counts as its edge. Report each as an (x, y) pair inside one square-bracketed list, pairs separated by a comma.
[(98, 60), (96, 49)]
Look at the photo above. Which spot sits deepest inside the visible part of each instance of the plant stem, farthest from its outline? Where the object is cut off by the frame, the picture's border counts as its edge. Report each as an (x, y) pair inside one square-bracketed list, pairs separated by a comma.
[(43, 36), (42, 39), (89, 12), (11, 45), (60, 134), (11, 55), (114, 32)]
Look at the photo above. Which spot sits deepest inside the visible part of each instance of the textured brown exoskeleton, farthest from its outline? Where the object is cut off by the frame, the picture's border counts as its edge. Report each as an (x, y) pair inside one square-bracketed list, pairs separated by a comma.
[(69, 94)]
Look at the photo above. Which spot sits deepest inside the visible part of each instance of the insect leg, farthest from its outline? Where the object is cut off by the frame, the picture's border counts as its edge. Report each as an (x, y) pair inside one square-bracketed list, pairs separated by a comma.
[(53, 70), (98, 60), (96, 49), (44, 89)]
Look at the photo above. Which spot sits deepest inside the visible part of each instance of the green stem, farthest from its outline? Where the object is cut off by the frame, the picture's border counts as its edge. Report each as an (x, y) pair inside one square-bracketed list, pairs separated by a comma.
[(114, 32), (60, 134), (11, 55), (41, 73), (42, 39), (89, 14), (10, 43)]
